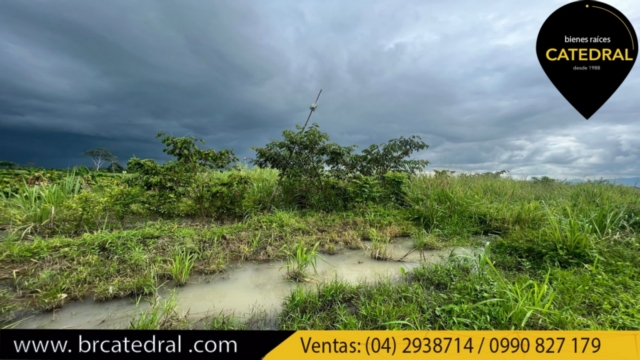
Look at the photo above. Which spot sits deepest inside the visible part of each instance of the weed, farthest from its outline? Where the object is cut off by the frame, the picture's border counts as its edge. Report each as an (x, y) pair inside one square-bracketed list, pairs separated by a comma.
[(570, 235), (224, 321), (519, 301), (161, 315), (181, 265), (379, 245), (299, 258)]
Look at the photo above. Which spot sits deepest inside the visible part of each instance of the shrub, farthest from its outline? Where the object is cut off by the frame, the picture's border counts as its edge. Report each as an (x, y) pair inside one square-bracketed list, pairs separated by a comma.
[(306, 160), (183, 178)]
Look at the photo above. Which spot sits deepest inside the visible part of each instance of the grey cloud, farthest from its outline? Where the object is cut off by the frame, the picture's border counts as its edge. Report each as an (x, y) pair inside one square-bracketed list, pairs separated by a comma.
[(78, 74)]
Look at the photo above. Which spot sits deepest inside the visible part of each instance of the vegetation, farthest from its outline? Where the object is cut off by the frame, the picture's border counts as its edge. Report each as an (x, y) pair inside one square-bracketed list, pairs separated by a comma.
[(161, 314), (299, 258), (561, 256), (99, 156)]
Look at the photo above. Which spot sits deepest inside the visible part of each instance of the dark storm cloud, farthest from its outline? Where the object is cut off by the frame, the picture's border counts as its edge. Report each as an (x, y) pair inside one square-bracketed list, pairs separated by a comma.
[(462, 74)]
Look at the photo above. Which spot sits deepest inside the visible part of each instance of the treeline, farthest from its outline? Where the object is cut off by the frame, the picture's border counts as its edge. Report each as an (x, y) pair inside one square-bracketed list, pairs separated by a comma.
[(302, 170), (308, 171)]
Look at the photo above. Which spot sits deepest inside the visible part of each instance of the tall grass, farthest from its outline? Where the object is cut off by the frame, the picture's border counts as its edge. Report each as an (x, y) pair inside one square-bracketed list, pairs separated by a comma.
[(608, 220), (569, 233), (181, 265), (35, 206), (299, 258), (519, 301), (161, 315), (585, 234), (423, 240), (379, 245)]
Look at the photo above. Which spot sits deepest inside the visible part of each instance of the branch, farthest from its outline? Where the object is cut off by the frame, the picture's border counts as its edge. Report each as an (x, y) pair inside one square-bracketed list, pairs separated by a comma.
[(98, 162)]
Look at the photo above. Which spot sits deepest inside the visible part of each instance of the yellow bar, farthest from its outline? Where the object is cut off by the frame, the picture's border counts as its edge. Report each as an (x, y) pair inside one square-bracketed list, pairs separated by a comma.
[(460, 345)]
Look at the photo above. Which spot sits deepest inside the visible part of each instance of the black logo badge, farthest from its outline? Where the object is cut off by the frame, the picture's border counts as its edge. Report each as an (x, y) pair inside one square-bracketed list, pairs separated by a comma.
[(587, 49)]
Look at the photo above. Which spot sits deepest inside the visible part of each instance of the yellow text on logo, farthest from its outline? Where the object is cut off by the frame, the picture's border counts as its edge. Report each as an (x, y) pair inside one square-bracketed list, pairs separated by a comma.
[(588, 54)]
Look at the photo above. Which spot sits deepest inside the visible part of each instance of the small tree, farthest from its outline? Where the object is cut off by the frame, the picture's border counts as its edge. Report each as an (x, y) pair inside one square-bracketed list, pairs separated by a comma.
[(192, 158), (99, 156), (115, 167), (303, 154), (378, 160), (306, 161), (185, 176), (302, 159), (543, 180)]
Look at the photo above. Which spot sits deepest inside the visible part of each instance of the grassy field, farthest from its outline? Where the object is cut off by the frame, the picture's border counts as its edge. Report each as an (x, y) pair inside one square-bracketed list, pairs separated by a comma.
[(562, 256)]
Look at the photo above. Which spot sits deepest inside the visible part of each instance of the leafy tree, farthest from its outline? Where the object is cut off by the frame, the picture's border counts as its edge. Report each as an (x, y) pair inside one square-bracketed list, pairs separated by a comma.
[(115, 167), (185, 176), (543, 180), (99, 156), (377, 160), (303, 158), (305, 154), (309, 153), (310, 165), (489, 174), (187, 153)]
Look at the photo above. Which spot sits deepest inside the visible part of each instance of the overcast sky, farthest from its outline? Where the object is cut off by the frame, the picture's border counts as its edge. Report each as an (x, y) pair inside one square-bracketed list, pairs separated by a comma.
[(463, 74)]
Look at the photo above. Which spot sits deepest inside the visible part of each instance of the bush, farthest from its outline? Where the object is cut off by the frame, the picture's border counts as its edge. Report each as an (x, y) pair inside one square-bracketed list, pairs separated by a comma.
[(224, 199), (316, 173), (185, 178)]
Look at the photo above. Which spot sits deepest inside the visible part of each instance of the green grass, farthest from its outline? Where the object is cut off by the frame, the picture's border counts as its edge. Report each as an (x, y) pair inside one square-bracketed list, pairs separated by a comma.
[(299, 258), (517, 302), (424, 241), (161, 315), (379, 245), (453, 296), (256, 319), (35, 207), (181, 265), (562, 256)]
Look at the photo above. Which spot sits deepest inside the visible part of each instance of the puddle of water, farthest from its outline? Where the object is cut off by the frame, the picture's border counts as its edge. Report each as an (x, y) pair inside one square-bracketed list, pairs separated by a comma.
[(244, 287)]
